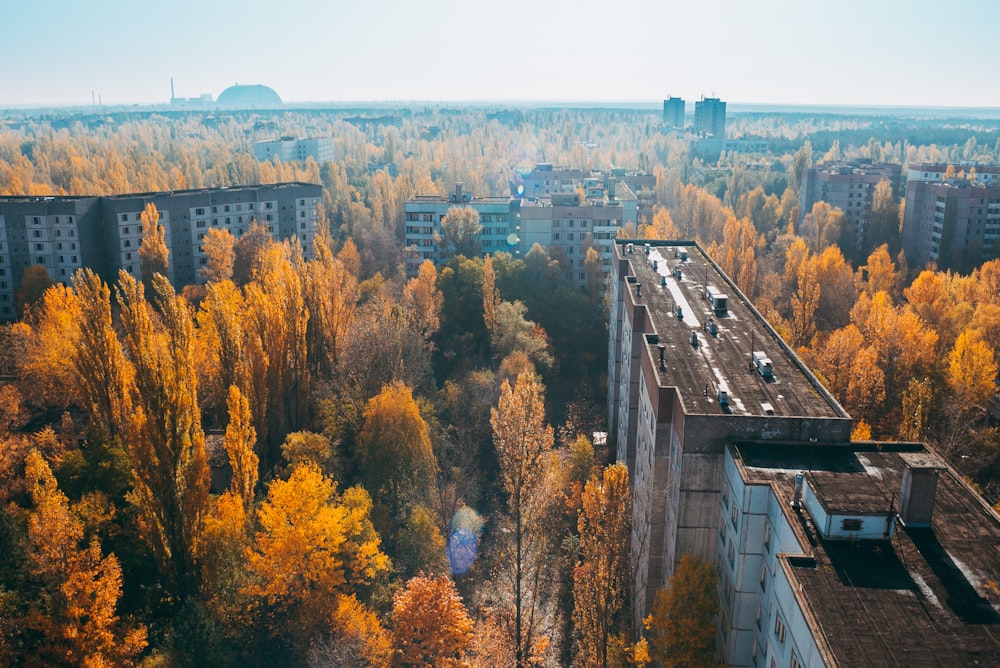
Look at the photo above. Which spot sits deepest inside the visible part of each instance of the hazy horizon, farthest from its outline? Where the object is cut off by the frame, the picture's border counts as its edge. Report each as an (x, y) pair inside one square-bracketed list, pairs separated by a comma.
[(773, 52)]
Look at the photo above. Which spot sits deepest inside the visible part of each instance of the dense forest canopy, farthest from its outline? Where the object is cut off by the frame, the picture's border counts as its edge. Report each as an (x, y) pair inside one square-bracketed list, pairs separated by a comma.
[(293, 462)]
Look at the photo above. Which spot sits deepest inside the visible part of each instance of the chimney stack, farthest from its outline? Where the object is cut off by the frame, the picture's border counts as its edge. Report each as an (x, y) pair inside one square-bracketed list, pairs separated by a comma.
[(916, 495), (662, 348)]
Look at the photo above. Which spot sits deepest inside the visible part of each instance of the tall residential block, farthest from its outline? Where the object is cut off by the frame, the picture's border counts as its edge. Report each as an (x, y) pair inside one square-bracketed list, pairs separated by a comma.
[(710, 117), (828, 552), (673, 112), (952, 218)]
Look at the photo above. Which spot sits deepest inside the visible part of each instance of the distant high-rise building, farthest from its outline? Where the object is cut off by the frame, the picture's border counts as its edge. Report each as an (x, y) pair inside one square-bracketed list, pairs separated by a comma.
[(952, 219), (673, 112), (710, 117)]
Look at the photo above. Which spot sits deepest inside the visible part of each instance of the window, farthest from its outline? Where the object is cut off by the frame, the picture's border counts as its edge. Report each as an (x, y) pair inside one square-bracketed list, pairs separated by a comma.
[(226, 208), (795, 662), (38, 247), (200, 223), (851, 524), (779, 629), (37, 234), (199, 212), (127, 243), (302, 214), (767, 537)]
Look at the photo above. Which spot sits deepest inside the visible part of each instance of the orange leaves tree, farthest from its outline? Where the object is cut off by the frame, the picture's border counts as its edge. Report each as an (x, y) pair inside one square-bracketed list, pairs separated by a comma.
[(76, 616), (523, 440), (311, 548), (972, 372), (600, 579), (430, 623), (153, 247), (681, 623)]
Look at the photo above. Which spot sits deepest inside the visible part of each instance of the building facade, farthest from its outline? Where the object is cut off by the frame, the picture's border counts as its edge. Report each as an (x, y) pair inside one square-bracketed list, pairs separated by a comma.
[(567, 212), (952, 224), (64, 234)]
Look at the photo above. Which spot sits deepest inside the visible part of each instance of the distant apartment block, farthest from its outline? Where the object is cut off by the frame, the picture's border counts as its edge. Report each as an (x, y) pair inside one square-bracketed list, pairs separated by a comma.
[(673, 112), (561, 208), (290, 149), (952, 223), (710, 117), (738, 455), (847, 186), (64, 234)]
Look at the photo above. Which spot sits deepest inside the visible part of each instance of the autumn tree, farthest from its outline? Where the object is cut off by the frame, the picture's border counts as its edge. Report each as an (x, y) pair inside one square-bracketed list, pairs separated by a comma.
[(164, 438), (219, 246), (34, 283), (884, 219), (972, 372), (430, 623), (239, 443), (600, 580), (822, 226), (78, 619), (394, 453), (423, 301), (153, 247), (681, 624), (491, 296), (312, 546), (522, 440), (459, 234)]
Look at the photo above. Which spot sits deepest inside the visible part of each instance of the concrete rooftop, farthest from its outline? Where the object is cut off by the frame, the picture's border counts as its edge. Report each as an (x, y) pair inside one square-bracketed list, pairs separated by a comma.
[(702, 366)]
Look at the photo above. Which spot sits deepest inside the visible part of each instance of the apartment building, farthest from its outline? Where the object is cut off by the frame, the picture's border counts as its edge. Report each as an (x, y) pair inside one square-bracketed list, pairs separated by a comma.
[(673, 112), (290, 149), (829, 552), (847, 186), (64, 234), (952, 223), (578, 210), (857, 554), (710, 117), (692, 366)]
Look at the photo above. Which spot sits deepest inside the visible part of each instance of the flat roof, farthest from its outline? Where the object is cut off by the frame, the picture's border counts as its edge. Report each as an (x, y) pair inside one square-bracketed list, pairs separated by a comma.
[(700, 367), (927, 596)]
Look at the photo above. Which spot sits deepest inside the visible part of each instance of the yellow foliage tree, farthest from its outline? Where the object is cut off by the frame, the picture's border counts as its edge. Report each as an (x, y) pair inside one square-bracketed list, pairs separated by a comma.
[(219, 246), (312, 546), (430, 623), (153, 248), (681, 623), (972, 372), (239, 443), (78, 619), (600, 581)]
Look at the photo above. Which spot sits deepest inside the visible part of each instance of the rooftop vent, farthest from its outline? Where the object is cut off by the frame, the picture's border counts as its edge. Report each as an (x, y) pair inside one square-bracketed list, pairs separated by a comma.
[(916, 494), (766, 408)]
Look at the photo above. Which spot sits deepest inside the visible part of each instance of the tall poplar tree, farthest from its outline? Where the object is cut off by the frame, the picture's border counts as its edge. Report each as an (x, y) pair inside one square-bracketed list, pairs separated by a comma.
[(522, 440)]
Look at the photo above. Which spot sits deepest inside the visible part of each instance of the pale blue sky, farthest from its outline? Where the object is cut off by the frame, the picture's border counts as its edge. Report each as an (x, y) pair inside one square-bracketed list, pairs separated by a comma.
[(864, 52)]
